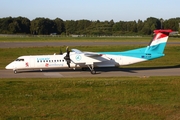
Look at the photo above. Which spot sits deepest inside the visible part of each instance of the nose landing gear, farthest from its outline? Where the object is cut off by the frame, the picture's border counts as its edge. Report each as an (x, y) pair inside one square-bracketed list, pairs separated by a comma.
[(15, 71)]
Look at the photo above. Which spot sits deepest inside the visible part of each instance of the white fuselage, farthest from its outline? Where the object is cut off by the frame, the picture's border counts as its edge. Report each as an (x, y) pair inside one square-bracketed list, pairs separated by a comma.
[(77, 61), (39, 62)]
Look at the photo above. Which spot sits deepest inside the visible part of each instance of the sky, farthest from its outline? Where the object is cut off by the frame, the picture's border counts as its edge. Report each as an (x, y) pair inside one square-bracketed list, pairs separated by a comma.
[(117, 10)]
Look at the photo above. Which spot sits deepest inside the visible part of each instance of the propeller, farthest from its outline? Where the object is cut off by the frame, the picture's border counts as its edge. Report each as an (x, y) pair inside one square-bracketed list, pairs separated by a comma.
[(67, 57)]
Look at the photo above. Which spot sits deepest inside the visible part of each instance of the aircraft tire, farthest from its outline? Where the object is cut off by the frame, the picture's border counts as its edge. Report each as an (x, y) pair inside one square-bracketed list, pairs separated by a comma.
[(15, 71), (93, 72)]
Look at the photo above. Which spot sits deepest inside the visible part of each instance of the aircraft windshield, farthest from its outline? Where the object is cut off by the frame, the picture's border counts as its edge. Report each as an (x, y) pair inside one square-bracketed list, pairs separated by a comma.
[(19, 59)]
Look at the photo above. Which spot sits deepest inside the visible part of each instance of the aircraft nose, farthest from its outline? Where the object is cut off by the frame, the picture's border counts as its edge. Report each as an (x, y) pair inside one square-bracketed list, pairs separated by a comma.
[(9, 66)]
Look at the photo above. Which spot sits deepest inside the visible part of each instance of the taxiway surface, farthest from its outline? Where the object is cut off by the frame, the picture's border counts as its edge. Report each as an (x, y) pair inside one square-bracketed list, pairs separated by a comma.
[(103, 72)]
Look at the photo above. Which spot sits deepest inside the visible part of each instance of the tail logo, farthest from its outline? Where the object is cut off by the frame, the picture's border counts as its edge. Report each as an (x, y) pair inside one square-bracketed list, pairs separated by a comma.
[(159, 36), (158, 43)]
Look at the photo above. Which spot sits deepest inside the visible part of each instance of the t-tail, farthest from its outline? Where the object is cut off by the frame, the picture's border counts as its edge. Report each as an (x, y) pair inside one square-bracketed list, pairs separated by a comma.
[(158, 43), (155, 49)]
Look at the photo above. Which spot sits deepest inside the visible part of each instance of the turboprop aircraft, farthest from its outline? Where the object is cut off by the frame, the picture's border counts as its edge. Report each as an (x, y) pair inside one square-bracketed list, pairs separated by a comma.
[(78, 59)]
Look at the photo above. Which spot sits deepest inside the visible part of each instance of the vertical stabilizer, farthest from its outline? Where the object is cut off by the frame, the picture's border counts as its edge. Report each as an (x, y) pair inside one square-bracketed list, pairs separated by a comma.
[(158, 42)]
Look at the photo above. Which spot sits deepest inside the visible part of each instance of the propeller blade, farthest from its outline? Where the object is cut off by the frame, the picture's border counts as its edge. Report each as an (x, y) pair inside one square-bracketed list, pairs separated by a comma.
[(67, 57), (67, 49)]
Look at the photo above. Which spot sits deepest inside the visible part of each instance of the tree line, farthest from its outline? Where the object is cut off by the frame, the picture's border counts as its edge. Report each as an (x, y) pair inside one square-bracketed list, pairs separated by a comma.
[(46, 26)]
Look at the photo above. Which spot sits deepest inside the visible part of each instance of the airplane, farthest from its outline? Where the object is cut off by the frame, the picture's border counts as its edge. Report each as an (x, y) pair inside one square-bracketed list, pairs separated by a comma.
[(79, 59)]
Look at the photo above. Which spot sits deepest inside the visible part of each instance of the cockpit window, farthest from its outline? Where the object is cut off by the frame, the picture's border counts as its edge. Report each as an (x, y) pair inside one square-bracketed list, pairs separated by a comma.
[(19, 59)]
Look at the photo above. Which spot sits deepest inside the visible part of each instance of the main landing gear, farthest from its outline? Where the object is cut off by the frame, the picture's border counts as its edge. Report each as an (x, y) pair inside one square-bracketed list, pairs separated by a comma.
[(91, 67)]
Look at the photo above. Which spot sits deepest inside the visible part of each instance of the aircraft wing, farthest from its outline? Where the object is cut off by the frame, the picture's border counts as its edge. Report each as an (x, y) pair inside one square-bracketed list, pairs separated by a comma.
[(87, 54), (92, 54), (87, 58), (76, 51)]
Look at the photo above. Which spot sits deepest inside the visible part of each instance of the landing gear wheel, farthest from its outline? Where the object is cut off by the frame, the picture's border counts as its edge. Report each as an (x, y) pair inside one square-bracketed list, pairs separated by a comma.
[(91, 67), (15, 71), (93, 72)]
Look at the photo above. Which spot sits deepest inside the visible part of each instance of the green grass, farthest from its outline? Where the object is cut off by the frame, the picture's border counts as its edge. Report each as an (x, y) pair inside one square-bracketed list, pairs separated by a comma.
[(90, 98), (50, 39), (78, 39)]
